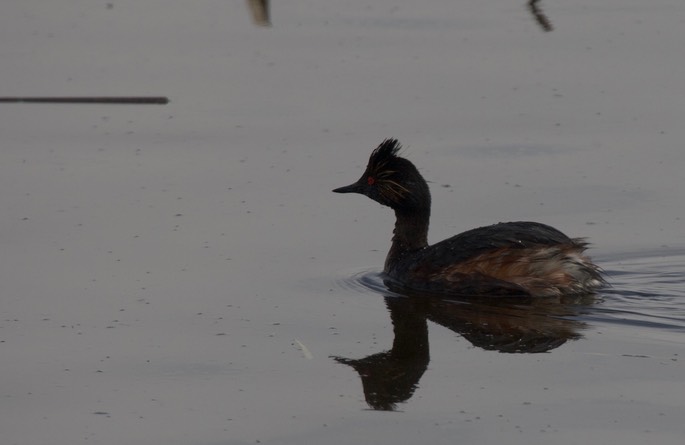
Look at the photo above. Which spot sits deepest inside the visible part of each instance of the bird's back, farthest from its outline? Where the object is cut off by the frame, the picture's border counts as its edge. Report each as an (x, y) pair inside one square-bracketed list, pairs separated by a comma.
[(515, 258)]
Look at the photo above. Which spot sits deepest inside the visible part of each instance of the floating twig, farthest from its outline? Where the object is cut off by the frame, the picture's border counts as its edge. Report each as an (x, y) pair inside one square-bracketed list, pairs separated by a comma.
[(305, 351), (136, 100)]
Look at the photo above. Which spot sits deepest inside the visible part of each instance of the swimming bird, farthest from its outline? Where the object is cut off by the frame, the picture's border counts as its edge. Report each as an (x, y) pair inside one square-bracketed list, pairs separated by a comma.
[(506, 259)]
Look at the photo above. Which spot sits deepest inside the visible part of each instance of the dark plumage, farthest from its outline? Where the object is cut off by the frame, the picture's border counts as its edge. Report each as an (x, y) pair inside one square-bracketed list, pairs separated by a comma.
[(515, 258)]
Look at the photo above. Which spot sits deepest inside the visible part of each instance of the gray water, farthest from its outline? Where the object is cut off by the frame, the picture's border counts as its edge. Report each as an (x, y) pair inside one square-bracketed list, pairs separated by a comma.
[(182, 274)]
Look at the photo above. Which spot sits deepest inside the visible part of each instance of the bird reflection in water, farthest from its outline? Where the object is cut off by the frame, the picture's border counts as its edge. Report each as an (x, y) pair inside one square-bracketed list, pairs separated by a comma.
[(391, 377), (504, 325)]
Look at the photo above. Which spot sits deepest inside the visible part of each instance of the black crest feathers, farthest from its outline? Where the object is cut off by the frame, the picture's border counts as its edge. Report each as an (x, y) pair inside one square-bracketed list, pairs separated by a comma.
[(388, 150)]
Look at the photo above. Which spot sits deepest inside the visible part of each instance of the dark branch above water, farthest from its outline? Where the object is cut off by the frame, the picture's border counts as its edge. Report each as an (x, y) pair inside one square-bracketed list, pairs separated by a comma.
[(539, 15), (261, 14), (136, 100)]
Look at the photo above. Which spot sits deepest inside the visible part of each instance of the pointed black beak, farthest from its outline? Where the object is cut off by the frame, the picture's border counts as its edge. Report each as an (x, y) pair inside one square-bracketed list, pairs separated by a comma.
[(352, 188)]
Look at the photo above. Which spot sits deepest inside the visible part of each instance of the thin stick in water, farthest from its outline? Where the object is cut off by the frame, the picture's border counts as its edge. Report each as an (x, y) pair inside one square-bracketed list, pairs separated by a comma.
[(136, 100)]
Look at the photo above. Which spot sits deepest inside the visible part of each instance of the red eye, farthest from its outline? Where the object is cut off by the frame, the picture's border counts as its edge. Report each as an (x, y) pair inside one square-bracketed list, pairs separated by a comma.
[(370, 180)]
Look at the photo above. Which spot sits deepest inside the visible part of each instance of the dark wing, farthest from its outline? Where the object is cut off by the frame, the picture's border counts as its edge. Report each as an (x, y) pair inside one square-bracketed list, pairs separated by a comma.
[(506, 259), (515, 235)]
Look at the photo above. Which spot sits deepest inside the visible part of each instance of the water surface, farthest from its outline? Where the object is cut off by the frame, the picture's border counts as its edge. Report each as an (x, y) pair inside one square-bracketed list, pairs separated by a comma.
[(182, 274)]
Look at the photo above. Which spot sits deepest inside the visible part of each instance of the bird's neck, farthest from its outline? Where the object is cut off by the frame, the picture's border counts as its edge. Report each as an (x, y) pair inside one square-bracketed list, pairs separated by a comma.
[(410, 235)]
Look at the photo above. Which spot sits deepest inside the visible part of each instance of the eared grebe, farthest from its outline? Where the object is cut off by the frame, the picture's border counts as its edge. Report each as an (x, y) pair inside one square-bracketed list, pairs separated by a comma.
[(506, 259)]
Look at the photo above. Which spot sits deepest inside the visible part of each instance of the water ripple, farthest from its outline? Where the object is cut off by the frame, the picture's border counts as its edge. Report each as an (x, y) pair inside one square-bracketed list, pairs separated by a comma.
[(362, 281), (647, 289)]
